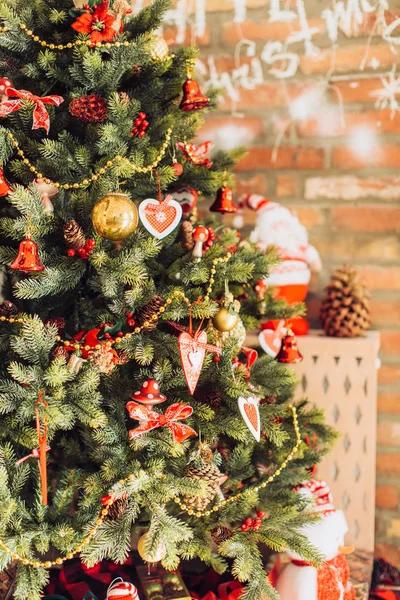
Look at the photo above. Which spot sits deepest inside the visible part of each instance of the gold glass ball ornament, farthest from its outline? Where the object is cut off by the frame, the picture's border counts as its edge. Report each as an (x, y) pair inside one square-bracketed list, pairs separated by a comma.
[(159, 48), (226, 319), (115, 216), (153, 557)]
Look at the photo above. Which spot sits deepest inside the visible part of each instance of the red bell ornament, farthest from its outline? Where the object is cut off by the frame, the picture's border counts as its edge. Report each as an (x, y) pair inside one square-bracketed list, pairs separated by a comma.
[(224, 201), (289, 352), (5, 187), (193, 99), (28, 259)]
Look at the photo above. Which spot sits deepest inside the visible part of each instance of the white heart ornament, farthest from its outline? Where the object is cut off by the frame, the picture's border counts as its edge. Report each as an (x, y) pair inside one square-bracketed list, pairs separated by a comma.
[(270, 340), (251, 415), (160, 218), (196, 359)]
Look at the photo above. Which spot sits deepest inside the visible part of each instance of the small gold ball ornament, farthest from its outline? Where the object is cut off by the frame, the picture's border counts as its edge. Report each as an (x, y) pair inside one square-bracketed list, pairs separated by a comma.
[(159, 48), (158, 555), (115, 217), (226, 319)]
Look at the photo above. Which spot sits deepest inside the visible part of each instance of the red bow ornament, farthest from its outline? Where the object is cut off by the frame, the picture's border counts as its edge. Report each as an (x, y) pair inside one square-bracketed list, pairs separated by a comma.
[(40, 115), (149, 419), (197, 155)]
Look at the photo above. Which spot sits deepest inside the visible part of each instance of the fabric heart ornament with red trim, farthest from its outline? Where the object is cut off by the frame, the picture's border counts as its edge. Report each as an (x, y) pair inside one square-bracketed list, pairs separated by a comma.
[(270, 340), (251, 415), (160, 218), (187, 198), (192, 350)]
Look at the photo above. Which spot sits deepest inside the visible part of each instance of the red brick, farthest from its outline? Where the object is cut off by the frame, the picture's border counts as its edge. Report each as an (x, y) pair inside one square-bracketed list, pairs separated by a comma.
[(266, 30), (354, 247), (309, 217), (389, 403), (230, 132), (268, 94), (357, 90), (385, 156), (286, 186), (329, 125), (351, 187), (384, 313), (388, 464), (388, 433), (347, 58), (170, 33), (387, 496), (390, 342), (256, 185), (388, 552), (381, 278), (369, 217), (389, 374), (286, 158)]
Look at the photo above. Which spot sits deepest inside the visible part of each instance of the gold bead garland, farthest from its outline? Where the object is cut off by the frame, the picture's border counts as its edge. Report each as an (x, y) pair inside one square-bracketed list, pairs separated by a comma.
[(100, 172), (92, 533), (77, 345)]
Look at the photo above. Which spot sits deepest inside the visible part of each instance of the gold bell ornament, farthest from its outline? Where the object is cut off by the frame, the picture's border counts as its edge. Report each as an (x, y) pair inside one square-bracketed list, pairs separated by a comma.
[(115, 217)]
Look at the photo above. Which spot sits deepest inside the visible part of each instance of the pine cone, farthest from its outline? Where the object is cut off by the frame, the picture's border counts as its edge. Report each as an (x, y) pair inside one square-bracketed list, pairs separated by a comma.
[(116, 509), (145, 314), (89, 109), (8, 309), (185, 234), (7, 580), (208, 395), (206, 472), (60, 352), (220, 533), (124, 97), (268, 400), (73, 235), (345, 310)]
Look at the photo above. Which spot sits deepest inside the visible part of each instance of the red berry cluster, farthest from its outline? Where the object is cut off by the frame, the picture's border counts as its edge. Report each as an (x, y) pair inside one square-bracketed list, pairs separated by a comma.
[(84, 251), (211, 239), (255, 524), (130, 320), (141, 125), (108, 336)]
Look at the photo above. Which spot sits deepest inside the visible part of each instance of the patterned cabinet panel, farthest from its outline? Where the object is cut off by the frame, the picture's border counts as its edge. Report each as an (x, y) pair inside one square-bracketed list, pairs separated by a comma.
[(340, 376)]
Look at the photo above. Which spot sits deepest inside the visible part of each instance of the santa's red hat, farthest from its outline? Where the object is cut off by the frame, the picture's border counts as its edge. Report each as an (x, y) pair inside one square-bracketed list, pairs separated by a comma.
[(254, 201)]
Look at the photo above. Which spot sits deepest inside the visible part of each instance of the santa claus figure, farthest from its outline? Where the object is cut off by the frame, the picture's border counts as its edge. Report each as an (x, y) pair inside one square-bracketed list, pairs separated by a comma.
[(299, 580), (276, 226)]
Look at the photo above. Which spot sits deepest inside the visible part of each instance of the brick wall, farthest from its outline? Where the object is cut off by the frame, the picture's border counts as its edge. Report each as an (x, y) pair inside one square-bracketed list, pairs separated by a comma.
[(350, 204)]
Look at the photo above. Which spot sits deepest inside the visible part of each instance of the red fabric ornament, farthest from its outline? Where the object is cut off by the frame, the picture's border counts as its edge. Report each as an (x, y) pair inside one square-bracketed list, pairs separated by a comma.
[(152, 420), (28, 259), (193, 99), (97, 23), (224, 201), (196, 154), (187, 197), (40, 115)]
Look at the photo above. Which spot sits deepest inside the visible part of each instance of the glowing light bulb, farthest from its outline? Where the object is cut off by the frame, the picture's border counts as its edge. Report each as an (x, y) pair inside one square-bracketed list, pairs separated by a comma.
[(363, 142)]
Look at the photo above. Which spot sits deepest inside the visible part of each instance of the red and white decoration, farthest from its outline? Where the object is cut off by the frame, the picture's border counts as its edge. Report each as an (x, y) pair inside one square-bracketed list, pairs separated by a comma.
[(16, 99), (270, 340), (192, 350), (187, 197), (277, 226), (5, 84), (160, 218), (48, 191), (122, 590), (299, 580), (149, 394), (251, 415), (5, 187), (150, 419)]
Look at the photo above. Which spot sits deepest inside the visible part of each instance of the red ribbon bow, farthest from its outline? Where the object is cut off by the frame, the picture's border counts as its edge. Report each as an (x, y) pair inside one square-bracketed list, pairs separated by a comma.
[(40, 115), (152, 420)]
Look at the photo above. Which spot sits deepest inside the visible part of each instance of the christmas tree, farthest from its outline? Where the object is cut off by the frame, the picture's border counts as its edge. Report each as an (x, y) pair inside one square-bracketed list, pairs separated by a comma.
[(127, 402)]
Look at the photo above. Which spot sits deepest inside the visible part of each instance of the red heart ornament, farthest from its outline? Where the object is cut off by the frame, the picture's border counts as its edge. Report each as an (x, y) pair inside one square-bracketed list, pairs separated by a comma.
[(192, 350), (187, 198), (270, 340), (251, 415), (160, 218)]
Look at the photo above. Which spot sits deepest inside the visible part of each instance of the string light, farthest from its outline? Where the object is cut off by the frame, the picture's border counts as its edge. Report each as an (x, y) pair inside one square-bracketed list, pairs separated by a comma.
[(37, 564), (95, 176)]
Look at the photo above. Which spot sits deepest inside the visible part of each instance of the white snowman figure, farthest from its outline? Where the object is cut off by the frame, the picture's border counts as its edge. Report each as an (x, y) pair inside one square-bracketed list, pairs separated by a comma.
[(299, 580), (277, 226)]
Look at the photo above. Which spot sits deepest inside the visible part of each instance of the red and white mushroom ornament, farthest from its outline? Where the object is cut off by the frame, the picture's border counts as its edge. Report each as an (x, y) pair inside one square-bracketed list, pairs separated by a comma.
[(48, 191), (200, 235), (5, 84), (149, 394)]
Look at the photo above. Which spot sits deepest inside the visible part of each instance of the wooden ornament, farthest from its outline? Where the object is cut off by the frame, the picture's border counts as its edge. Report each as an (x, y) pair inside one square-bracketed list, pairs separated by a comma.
[(192, 350), (160, 218), (251, 415)]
